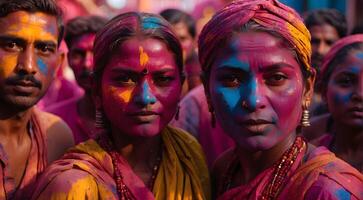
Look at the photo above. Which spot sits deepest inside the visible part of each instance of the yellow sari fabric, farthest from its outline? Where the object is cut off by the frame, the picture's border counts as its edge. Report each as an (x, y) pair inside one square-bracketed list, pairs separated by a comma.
[(86, 172)]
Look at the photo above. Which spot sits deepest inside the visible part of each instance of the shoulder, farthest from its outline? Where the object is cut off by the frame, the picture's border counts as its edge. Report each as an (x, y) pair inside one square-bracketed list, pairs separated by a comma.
[(69, 184), (327, 188), (59, 135), (317, 128)]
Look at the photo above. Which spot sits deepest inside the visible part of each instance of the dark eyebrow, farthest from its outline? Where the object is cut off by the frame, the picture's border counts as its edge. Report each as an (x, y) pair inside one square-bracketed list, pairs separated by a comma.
[(276, 66), (12, 38), (231, 69), (46, 42), (22, 41), (125, 71)]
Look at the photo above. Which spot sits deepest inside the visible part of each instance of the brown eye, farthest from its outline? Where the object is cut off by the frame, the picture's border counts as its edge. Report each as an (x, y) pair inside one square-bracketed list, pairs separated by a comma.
[(230, 81), (11, 46), (276, 79), (163, 80), (45, 49)]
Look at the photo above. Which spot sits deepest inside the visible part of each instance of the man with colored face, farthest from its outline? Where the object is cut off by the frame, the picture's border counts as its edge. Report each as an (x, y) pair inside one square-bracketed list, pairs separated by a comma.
[(79, 113), (30, 139), (326, 26)]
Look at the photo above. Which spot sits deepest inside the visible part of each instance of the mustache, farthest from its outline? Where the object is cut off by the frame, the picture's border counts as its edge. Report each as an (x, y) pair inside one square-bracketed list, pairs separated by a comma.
[(15, 80), (86, 74)]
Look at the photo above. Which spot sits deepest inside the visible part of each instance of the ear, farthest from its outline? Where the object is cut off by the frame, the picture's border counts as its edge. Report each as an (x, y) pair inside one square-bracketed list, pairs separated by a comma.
[(309, 88), (60, 62)]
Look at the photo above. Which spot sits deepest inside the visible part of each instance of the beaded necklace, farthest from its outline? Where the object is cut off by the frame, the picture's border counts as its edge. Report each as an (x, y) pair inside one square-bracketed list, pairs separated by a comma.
[(279, 175), (123, 191)]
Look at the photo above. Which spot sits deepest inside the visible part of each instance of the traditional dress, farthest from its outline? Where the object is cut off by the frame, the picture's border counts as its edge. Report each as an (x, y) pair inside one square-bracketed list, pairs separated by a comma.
[(36, 163), (195, 118), (320, 176), (87, 172)]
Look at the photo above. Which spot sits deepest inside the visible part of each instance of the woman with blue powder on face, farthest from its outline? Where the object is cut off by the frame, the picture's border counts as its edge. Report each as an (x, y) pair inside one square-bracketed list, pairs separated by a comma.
[(256, 56)]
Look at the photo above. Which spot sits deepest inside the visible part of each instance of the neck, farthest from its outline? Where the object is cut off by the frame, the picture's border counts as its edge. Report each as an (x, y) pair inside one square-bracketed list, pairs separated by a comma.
[(253, 163), (344, 141), (138, 151), (86, 107), (13, 124)]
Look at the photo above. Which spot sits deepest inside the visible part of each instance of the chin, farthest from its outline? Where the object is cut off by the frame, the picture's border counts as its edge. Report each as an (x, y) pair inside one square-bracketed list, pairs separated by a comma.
[(21, 102), (256, 143), (145, 130)]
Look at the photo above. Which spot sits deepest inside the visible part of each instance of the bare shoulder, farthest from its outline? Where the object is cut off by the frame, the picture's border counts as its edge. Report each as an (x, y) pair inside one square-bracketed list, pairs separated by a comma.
[(59, 135), (317, 128)]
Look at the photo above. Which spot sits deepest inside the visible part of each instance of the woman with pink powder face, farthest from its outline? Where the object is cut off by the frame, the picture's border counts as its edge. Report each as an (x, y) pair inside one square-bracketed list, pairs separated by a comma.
[(256, 57), (137, 84), (341, 83)]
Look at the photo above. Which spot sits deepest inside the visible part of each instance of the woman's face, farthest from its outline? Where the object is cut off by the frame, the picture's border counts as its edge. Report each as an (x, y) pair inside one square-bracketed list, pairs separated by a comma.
[(344, 93), (257, 90), (141, 86)]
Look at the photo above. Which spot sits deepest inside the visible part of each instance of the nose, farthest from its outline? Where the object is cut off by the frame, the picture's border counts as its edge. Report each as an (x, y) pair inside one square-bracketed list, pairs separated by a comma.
[(358, 93), (88, 60), (26, 62), (254, 96), (145, 95), (323, 48)]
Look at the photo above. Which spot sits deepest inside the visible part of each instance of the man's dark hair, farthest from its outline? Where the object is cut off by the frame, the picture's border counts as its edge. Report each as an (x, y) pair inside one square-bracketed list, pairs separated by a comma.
[(174, 16), (49, 7), (83, 25), (327, 16)]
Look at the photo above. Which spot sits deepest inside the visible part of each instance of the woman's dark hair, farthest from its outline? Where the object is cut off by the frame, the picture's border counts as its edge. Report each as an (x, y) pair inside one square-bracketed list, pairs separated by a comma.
[(45, 6), (327, 16), (174, 16), (79, 26), (126, 26)]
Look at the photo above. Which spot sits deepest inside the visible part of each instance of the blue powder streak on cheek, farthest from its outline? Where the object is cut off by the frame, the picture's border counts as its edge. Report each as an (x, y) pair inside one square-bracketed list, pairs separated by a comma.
[(42, 66), (342, 98), (359, 55), (230, 97), (342, 194)]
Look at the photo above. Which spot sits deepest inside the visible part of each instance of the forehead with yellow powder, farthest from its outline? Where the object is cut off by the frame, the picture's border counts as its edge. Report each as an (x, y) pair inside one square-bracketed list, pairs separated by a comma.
[(30, 26), (144, 57)]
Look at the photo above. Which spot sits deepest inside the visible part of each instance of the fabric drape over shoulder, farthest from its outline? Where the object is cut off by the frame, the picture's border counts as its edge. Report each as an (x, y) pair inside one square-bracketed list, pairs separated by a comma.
[(86, 171), (36, 163), (321, 177)]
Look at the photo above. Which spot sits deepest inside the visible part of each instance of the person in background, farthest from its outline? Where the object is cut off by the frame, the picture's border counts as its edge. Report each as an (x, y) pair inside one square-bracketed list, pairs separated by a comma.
[(29, 57), (138, 80), (341, 84), (184, 27), (256, 55), (326, 26), (79, 113)]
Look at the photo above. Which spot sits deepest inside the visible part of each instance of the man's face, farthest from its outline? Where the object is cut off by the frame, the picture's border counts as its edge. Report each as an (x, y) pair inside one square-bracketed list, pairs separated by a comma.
[(186, 40), (322, 38), (28, 57), (80, 59)]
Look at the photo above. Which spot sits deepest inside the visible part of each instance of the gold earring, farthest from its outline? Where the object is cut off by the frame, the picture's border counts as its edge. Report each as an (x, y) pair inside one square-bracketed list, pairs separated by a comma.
[(305, 115)]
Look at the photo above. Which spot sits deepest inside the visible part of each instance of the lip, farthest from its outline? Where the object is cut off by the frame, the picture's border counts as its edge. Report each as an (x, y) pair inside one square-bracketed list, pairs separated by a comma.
[(256, 125), (24, 88), (144, 116), (356, 111)]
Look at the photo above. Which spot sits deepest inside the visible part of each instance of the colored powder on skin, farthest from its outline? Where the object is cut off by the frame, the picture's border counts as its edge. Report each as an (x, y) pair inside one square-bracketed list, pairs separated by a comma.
[(125, 96), (42, 66), (342, 99), (342, 194), (144, 58), (31, 28), (7, 65), (147, 97), (359, 55)]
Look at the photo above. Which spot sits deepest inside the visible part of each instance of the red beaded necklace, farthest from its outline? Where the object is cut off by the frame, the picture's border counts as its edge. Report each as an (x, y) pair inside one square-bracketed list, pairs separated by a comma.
[(123, 191), (279, 175)]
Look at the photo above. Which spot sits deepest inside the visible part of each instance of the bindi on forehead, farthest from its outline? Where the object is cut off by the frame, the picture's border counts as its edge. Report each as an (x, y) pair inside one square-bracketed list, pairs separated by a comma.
[(143, 56)]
